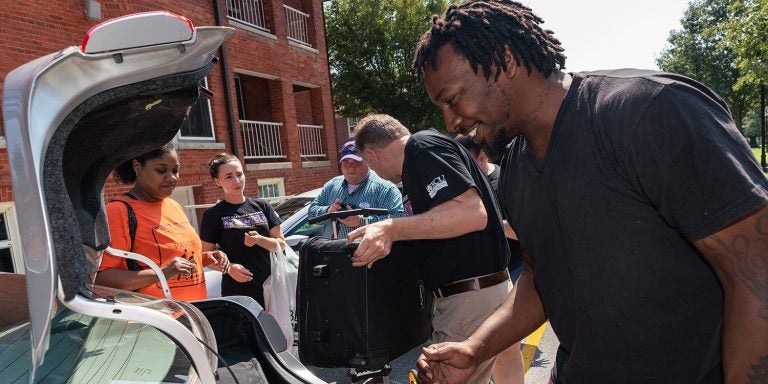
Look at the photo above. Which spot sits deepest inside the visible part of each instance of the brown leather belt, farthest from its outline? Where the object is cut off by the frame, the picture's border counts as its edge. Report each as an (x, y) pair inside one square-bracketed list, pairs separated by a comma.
[(471, 284)]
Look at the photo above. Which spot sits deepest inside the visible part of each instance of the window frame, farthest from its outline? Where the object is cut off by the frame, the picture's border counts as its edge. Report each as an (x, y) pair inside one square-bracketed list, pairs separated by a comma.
[(14, 238), (278, 181), (212, 136), (351, 125)]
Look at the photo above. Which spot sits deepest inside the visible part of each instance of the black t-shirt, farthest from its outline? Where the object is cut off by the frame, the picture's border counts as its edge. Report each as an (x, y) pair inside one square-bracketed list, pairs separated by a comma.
[(515, 251), (436, 170), (493, 178), (226, 224), (639, 166)]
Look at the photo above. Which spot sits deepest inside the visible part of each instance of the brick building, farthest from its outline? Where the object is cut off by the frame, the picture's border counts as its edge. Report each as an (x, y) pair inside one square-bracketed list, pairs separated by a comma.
[(271, 105)]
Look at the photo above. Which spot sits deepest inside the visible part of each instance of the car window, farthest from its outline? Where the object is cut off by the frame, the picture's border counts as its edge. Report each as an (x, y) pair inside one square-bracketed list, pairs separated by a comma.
[(291, 206), (306, 229)]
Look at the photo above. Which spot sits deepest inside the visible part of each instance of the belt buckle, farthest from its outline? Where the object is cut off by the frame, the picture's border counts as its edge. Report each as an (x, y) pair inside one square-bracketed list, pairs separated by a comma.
[(438, 293)]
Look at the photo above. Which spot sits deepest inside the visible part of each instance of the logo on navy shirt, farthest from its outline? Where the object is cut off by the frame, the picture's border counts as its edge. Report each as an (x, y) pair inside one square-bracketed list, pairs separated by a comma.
[(437, 184)]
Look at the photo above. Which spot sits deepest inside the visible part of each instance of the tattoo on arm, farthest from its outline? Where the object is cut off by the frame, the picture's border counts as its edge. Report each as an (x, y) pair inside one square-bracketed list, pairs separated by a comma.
[(748, 252)]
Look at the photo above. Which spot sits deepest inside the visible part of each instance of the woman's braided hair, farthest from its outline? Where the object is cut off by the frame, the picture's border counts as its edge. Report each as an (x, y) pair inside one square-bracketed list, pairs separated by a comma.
[(482, 29)]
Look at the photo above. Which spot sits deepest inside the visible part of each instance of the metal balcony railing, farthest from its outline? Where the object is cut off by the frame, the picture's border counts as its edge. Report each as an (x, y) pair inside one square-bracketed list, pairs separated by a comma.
[(311, 141), (261, 139), (296, 22), (250, 12)]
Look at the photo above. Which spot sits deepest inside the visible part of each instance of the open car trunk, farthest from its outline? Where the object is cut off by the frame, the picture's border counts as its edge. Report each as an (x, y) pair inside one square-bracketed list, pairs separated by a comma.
[(70, 118)]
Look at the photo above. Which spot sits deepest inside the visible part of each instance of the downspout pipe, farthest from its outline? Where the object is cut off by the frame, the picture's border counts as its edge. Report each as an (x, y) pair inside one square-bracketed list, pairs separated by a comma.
[(762, 127), (227, 88)]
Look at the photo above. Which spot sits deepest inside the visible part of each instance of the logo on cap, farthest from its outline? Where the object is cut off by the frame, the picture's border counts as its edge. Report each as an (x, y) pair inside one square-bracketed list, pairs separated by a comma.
[(349, 151)]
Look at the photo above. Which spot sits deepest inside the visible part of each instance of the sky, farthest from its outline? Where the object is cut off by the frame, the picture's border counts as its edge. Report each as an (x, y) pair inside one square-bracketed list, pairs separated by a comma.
[(608, 34)]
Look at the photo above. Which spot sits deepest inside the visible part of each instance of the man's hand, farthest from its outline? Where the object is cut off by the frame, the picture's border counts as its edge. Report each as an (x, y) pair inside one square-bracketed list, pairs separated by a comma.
[(376, 242), (351, 221), (335, 207), (240, 274), (445, 363)]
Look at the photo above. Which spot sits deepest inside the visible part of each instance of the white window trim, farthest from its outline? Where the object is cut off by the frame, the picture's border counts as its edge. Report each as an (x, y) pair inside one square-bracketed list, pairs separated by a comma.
[(279, 181), (351, 124), (9, 209)]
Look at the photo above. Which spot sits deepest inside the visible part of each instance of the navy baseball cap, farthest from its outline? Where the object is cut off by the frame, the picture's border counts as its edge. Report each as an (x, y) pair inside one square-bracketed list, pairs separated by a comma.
[(349, 151)]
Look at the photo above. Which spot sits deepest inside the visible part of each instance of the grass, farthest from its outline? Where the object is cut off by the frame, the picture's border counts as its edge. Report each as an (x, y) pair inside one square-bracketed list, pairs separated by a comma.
[(758, 152)]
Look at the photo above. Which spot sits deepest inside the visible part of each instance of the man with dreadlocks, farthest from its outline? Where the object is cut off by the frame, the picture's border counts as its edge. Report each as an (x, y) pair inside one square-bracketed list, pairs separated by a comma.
[(640, 207)]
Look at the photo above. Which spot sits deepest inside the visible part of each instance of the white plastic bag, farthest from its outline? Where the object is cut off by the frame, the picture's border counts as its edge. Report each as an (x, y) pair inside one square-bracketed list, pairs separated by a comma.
[(280, 293)]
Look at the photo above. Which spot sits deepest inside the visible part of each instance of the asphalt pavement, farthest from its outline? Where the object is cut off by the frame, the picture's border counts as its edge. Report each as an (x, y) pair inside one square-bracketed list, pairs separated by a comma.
[(398, 375), (539, 350)]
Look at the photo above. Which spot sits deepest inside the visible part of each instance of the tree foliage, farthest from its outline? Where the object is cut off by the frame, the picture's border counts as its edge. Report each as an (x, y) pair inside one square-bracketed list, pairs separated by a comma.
[(698, 51), (751, 127), (746, 34), (370, 47)]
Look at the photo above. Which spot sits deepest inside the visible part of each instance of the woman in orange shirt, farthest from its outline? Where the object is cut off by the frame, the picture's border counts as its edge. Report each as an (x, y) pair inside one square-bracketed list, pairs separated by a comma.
[(162, 232)]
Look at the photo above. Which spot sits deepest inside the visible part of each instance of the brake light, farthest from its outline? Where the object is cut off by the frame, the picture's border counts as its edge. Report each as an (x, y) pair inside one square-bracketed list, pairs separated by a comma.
[(137, 30)]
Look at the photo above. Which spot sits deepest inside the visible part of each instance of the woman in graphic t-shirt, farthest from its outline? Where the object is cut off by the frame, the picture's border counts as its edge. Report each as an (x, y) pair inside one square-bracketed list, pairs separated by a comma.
[(246, 229)]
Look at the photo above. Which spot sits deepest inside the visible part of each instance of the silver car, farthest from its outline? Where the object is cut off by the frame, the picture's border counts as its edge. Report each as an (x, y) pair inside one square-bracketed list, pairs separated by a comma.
[(70, 118), (293, 213)]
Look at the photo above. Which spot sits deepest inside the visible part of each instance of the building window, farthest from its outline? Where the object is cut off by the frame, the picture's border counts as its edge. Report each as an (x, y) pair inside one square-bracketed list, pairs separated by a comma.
[(199, 124), (10, 255), (351, 124), (6, 260), (272, 189), (249, 12), (240, 99)]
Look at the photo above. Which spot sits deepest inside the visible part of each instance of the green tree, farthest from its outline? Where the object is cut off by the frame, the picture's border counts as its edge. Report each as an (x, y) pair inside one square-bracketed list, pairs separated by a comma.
[(697, 51), (746, 34), (370, 48), (751, 126)]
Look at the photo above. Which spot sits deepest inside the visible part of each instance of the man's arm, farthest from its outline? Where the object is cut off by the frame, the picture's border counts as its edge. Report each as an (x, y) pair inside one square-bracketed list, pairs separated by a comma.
[(463, 214), (739, 255), (318, 206), (520, 315)]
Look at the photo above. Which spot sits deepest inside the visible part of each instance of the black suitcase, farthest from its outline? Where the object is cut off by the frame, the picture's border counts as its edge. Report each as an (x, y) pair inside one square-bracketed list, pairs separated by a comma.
[(358, 317)]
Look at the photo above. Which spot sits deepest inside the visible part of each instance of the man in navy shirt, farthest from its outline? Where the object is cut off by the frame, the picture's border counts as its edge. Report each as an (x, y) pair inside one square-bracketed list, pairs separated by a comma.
[(456, 219)]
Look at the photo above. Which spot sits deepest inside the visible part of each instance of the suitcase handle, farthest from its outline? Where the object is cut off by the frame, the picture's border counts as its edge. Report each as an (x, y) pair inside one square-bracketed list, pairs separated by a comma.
[(365, 212), (352, 246)]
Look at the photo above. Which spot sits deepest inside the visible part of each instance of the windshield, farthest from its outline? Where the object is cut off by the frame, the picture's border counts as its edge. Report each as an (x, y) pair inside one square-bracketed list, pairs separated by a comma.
[(291, 206), (90, 349)]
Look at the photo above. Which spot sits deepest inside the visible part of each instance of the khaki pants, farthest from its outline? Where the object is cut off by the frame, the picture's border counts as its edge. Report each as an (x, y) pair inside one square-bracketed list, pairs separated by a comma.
[(457, 317)]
